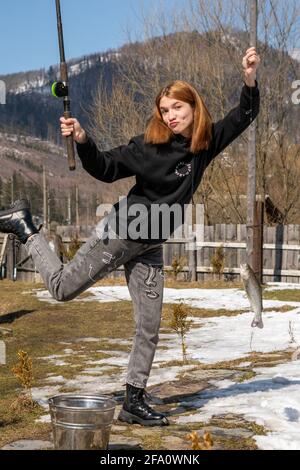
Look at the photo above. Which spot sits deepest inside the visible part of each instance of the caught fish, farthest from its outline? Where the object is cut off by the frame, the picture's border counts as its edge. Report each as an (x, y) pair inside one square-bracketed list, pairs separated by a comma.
[(254, 294)]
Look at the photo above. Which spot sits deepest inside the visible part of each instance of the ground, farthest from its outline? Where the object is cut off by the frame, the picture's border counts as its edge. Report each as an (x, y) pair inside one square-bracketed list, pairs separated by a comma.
[(83, 345)]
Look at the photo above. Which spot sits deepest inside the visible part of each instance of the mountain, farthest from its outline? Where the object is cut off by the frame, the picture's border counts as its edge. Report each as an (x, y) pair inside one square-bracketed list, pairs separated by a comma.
[(31, 109), (30, 137), (21, 175), (29, 121)]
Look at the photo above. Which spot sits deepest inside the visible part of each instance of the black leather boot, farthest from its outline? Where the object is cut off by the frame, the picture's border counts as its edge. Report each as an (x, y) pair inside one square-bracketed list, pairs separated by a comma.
[(17, 220), (136, 410)]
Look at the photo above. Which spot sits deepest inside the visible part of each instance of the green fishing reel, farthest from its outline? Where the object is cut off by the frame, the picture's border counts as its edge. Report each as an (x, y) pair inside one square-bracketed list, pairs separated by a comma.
[(59, 89)]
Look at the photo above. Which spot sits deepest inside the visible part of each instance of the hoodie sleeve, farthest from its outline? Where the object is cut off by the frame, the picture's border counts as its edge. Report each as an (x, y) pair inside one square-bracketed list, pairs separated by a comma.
[(236, 121), (111, 165)]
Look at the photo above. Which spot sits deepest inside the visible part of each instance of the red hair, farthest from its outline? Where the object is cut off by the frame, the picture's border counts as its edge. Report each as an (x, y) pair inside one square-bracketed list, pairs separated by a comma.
[(157, 132)]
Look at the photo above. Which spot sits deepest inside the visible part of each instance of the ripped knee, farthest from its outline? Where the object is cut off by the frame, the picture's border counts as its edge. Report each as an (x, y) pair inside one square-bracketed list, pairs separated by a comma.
[(151, 281)]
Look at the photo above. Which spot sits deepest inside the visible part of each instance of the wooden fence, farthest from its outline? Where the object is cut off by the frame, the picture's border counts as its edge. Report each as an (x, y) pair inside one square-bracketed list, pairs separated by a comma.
[(281, 254)]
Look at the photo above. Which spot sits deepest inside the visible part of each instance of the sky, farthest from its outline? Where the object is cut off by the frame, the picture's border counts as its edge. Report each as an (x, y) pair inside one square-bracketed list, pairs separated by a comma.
[(28, 29)]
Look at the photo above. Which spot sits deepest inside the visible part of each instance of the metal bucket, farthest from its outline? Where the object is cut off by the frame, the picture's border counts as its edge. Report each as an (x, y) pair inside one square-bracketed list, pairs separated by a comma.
[(81, 422)]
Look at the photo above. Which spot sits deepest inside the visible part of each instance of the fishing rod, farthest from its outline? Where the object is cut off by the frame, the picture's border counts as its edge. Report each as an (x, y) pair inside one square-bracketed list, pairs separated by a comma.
[(61, 89)]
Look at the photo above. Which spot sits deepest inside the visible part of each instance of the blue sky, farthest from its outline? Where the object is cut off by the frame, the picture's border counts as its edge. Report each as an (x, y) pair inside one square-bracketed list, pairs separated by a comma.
[(28, 32)]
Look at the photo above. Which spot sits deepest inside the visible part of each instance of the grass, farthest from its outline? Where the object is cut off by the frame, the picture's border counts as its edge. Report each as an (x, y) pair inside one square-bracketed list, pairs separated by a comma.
[(21, 425), (197, 313), (225, 442), (290, 295), (170, 282), (211, 284), (246, 376), (235, 443), (39, 328), (256, 359), (42, 332), (283, 309), (179, 363), (236, 421), (153, 441), (43, 329)]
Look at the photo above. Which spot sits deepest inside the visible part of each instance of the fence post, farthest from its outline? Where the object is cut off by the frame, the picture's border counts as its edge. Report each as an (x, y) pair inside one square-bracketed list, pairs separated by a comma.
[(258, 240), (192, 249), (3, 255), (10, 257)]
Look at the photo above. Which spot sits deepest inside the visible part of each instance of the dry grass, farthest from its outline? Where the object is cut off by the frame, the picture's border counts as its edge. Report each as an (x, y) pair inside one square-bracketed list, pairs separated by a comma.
[(178, 284), (198, 313), (20, 423), (290, 295), (255, 359), (212, 284), (40, 328)]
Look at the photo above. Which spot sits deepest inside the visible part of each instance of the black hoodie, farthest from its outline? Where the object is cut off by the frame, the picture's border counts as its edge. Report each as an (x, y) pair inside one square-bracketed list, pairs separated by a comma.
[(166, 174)]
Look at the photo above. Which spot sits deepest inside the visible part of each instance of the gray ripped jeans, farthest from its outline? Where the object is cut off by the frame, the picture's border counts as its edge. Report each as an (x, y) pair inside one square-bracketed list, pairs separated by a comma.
[(100, 255)]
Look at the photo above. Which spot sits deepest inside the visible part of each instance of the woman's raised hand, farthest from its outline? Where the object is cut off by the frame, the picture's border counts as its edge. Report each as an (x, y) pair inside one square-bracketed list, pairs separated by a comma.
[(72, 125), (251, 61)]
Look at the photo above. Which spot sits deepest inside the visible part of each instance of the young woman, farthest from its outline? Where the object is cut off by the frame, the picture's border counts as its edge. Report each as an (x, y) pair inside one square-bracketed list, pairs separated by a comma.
[(168, 162)]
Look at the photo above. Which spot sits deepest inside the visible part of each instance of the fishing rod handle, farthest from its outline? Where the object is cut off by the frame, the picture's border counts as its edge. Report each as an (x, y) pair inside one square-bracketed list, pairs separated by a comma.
[(70, 146)]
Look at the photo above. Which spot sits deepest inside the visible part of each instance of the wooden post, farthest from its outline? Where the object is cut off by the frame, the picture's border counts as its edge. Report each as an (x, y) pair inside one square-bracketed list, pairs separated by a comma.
[(3, 255), (69, 209), (48, 209), (251, 189), (10, 257), (77, 208), (258, 241), (45, 205), (12, 189), (3, 248), (192, 258)]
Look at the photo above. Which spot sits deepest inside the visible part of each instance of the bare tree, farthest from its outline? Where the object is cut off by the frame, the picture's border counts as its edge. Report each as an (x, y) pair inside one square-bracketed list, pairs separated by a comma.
[(204, 45), (277, 148)]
